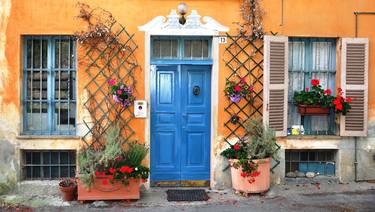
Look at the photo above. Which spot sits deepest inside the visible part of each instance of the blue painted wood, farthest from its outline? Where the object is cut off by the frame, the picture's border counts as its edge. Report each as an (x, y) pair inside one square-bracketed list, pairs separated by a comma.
[(180, 123)]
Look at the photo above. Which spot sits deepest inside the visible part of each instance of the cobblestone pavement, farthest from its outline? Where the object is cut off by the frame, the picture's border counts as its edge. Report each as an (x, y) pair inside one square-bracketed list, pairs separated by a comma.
[(308, 196)]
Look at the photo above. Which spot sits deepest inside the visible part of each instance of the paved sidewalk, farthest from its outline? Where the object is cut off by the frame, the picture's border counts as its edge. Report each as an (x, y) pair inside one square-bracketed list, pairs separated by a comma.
[(308, 196)]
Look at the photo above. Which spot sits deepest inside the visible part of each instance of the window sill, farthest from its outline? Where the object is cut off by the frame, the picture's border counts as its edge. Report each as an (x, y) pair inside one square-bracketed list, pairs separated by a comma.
[(49, 137), (313, 137)]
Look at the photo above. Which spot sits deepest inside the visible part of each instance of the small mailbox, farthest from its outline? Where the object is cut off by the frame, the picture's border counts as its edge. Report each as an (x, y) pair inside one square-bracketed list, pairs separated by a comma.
[(140, 108)]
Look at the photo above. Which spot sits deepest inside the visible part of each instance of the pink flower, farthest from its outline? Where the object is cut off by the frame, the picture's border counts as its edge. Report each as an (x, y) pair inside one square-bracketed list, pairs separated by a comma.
[(112, 82), (236, 147), (237, 88), (119, 92), (307, 89)]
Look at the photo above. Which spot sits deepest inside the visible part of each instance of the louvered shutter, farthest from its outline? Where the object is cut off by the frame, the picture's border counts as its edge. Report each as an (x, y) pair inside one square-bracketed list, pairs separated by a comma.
[(275, 86), (354, 82)]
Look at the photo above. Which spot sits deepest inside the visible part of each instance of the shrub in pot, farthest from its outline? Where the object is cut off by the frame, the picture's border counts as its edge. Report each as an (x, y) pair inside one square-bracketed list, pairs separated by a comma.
[(68, 189), (113, 171), (250, 158)]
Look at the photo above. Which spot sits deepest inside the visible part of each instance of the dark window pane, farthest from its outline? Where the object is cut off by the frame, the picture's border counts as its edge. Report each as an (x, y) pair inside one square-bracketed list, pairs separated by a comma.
[(65, 55), (36, 172), (304, 156), (57, 53), (65, 171), (187, 49), (29, 49), (36, 158), (54, 157), (28, 172), (46, 157), (46, 172), (156, 49), (72, 87), (294, 156), (196, 48), (205, 48), (36, 54), (28, 158), (64, 158), (72, 157), (72, 171), (55, 172), (72, 54), (312, 156), (174, 48), (44, 53)]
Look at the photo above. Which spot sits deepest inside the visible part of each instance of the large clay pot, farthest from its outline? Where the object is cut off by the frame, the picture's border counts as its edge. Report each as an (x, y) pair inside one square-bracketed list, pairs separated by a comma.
[(262, 182), (115, 191), (68, 192)]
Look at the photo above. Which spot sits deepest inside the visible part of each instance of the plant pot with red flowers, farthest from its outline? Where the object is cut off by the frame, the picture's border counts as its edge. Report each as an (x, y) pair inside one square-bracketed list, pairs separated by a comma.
[(250, 158), (68, 189), (319, 101), (236, 91), (113, 172)]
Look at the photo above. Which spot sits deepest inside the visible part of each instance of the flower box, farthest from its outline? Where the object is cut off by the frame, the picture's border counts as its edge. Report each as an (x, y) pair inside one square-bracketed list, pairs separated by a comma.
[(261, 183), (313, 110), (109, 191)]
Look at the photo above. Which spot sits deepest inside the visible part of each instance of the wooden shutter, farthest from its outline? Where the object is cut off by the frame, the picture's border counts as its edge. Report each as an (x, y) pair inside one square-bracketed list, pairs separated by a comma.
[(354, 83), (275, 86)]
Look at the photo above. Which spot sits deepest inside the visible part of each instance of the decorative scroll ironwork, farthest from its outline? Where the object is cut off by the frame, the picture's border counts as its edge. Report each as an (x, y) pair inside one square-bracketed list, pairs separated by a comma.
[(108, 59), (244, 58)]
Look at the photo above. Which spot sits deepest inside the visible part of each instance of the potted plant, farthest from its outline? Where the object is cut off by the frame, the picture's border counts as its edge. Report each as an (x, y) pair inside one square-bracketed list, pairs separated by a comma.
[(317, 101), (68, 189), (250, 158), (237, 90), (114, 171), (121, 93)]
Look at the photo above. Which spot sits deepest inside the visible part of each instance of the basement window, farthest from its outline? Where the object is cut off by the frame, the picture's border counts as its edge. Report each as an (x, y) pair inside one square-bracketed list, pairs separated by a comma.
[(321, 162), (48, 164)]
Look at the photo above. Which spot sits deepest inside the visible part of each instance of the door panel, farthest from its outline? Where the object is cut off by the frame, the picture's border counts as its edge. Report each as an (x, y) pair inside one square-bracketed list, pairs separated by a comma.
[(165, 160), (195, 159), (180, 123)]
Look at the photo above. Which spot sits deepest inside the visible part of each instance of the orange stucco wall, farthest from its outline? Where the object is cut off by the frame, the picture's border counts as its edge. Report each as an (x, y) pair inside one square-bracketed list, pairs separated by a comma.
[(310, 18)]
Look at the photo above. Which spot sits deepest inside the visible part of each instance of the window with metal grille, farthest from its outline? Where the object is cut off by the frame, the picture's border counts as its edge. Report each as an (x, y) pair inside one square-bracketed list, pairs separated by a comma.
[(311, 58), (48, 164), (180, 48), (321, 162), (49, 74)]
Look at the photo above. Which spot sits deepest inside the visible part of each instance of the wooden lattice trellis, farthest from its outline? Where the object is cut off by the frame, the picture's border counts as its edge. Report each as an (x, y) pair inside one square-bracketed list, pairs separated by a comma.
[(244, 58), (108, 59)]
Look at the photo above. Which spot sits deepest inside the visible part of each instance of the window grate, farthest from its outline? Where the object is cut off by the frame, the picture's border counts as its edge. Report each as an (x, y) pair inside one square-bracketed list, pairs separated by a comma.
[(321, 162), (48, 164)]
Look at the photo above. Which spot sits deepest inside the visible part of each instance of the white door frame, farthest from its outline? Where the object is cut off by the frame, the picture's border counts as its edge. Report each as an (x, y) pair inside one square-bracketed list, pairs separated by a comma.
[(170, 26)]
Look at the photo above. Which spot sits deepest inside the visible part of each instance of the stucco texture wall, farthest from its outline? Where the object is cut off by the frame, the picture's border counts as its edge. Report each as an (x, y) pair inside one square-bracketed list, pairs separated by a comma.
[(310, 18)]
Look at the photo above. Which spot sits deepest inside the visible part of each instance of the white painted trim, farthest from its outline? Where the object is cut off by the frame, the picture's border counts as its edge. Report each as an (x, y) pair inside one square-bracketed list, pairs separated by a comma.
[(162, 26)]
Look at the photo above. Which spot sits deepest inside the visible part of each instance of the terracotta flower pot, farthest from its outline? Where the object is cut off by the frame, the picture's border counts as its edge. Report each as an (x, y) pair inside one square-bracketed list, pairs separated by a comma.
[(313, 110), (68, 192), (262, 182), (108, 191)]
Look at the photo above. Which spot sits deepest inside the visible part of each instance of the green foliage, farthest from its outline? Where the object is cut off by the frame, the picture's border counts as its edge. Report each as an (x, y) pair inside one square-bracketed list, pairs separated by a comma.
[(261, 141), (136, 153), (113, 148), (316, 96)]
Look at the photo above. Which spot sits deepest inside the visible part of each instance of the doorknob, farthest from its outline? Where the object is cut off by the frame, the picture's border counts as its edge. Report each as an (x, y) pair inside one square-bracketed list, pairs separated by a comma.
[(196, 90)]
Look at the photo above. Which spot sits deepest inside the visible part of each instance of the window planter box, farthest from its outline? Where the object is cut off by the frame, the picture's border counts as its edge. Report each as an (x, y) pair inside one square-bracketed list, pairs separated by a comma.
[(115, 191), (262, 182), (313, 110)]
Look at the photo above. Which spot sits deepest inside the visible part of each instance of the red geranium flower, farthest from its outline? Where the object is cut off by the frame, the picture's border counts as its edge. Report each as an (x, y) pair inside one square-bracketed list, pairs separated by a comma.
[(105, 182), (97, 173), (236, 147), (336, 101), (251, 88), (339, 107), (237, 88), (243, 80), (348, 100), (328, 92), (112, 170), (124, 169), (307, 89), (243, 174), (110, 177), (315, 82)]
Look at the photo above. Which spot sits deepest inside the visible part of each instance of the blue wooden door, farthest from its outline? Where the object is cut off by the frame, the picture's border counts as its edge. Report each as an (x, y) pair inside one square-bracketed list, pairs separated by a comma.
[(180, 122)]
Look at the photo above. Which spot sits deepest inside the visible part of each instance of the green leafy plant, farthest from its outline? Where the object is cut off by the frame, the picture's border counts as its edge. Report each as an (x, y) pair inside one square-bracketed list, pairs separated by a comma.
[(237, 90), (120, 160), (260, 143), (317, 96)]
